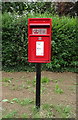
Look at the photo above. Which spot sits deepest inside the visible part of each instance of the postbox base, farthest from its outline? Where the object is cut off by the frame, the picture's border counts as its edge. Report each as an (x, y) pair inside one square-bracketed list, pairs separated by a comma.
[(39, 61)]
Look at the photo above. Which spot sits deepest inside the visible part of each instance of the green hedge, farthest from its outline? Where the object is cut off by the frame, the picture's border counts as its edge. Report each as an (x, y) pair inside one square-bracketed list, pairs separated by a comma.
[(14, 43)]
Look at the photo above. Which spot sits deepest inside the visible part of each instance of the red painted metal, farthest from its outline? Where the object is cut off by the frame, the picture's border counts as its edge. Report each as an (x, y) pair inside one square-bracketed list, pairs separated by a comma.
[(39, 40)]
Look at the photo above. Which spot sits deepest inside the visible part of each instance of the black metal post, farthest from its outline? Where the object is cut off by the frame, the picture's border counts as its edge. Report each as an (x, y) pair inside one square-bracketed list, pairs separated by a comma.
[(38, 84)]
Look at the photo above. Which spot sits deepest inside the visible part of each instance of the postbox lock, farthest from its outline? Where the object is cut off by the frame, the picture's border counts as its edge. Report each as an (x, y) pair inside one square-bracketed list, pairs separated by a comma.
[(39, 38)]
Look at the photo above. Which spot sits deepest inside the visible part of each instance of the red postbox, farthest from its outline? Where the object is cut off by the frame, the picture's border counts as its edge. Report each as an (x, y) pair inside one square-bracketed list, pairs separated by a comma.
[(39, 40)]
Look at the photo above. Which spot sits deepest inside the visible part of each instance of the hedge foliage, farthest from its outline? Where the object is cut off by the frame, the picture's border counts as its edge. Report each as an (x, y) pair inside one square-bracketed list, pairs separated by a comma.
[(14, 43)]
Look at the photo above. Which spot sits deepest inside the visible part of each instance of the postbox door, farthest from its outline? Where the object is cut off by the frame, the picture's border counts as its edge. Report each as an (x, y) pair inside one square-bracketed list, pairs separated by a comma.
[(39, 48)]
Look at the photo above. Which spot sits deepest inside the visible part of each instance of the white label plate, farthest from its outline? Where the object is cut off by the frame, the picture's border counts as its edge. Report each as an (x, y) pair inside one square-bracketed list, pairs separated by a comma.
[(39, 48)]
